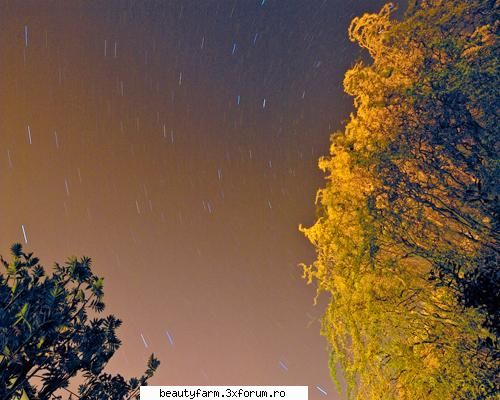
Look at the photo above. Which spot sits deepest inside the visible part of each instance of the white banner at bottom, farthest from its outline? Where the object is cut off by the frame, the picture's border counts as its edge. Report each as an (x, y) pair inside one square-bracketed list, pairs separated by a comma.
[(224, 392)]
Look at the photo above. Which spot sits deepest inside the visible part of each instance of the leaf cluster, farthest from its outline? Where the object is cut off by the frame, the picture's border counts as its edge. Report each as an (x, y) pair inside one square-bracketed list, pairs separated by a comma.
[(407, 234), (50, 332)]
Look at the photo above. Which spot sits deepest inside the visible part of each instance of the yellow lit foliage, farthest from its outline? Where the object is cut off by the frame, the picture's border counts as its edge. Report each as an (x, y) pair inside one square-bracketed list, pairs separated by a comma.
[(397, 232)]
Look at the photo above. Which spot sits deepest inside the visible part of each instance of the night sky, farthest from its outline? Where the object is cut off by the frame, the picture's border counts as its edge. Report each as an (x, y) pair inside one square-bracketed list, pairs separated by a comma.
[(176, 144)]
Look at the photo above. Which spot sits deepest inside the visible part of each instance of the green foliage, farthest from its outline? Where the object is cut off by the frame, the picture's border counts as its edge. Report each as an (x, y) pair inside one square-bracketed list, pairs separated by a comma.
[(407, 235), (47, 336)]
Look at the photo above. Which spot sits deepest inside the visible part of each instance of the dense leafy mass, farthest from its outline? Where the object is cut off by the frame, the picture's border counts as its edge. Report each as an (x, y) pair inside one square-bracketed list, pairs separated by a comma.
[(407, 233), (47, 336)]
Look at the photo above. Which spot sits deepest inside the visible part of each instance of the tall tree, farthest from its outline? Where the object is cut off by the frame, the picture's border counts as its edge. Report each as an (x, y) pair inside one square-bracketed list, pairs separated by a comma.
[(47, 336), (407, 234)]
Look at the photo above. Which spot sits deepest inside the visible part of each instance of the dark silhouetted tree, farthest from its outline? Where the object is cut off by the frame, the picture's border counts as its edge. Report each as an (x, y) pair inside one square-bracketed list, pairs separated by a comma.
[(47, 336)]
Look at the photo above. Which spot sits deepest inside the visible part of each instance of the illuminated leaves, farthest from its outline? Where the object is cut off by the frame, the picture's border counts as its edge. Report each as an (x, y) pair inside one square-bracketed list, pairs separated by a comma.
[(407, 231)]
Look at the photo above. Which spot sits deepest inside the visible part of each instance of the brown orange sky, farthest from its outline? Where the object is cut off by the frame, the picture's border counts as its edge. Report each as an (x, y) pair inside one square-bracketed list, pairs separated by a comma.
[(176, 144)]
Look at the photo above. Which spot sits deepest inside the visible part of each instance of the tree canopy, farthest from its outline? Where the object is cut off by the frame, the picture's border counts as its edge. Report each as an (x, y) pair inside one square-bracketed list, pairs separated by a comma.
[(407, 234), (47, 335)]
